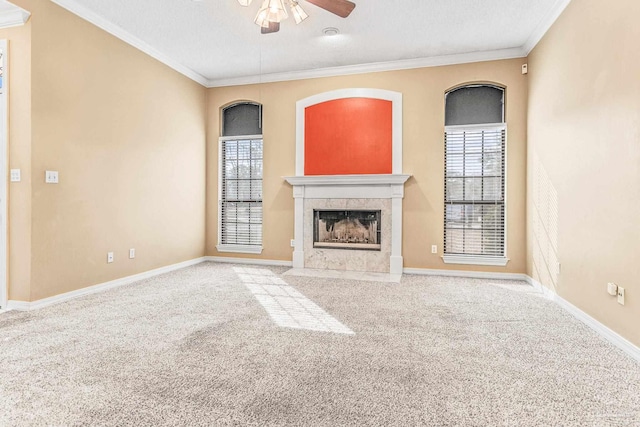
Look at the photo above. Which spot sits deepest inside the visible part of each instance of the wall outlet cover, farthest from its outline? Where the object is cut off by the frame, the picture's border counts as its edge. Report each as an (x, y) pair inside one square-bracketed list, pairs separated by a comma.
[(51, 177), (620, 295)]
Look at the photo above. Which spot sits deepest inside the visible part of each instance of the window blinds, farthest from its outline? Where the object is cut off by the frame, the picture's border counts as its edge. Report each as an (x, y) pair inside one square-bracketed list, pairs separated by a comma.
[(475, 190), (241, 192)]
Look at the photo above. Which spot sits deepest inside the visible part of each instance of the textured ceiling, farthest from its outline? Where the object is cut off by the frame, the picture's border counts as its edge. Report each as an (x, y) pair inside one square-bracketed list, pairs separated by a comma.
[(218, 40)]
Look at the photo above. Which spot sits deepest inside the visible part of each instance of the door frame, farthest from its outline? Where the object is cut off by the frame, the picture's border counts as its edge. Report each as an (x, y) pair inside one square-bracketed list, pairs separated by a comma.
[(4, 162)]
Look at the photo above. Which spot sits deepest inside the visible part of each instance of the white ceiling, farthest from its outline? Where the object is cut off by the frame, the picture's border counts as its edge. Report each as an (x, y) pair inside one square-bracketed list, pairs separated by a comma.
[(216, 42)]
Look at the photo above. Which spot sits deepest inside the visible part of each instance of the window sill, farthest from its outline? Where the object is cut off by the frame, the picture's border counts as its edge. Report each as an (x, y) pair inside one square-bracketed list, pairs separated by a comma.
[(240, 249), (475, 260)]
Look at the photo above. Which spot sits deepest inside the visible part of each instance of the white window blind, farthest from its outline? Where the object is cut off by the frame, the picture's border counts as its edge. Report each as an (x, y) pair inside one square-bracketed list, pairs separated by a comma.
[(475, 190), (241, 191)]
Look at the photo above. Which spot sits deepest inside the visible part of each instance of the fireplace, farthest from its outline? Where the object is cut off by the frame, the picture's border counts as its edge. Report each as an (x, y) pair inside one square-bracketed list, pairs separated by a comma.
[(347, 229), (348, 189)]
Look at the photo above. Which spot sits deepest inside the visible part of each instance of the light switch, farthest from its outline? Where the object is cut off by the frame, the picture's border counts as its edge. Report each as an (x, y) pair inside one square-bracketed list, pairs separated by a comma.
[(15, 175), (51, 177)]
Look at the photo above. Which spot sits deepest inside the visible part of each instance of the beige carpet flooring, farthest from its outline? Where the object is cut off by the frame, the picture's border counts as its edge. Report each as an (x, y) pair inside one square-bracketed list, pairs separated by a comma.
[(218, 344)]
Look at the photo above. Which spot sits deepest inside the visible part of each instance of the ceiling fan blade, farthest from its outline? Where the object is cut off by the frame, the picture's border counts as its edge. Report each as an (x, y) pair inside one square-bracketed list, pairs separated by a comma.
[(273, 27), (342, 8)]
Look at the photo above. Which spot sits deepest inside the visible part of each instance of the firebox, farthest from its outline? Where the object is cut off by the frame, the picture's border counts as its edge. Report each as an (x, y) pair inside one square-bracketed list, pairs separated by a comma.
[(347, 229)]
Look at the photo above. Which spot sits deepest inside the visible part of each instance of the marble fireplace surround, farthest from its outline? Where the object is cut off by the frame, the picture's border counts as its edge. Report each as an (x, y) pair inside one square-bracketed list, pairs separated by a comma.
[(382, 192)]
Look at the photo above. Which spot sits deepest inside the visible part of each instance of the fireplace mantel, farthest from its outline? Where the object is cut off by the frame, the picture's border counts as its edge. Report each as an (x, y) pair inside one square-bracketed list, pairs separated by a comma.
[(348, 186), (340, 180), (345, 187)]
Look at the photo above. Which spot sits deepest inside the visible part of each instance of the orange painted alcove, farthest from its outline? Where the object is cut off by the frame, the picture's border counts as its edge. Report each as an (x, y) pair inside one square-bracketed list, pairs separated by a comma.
[(348, 136)]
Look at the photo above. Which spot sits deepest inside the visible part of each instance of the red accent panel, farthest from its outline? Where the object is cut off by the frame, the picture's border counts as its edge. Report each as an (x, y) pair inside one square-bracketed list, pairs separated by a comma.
[(348, 136)]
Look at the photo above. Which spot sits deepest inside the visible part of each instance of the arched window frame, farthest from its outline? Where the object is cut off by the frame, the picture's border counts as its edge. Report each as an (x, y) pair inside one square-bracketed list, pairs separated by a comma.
[(240, 179), (475, 197)]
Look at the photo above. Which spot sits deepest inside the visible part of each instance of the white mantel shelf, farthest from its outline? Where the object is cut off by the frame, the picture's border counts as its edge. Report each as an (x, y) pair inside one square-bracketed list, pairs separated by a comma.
[(339, 180)]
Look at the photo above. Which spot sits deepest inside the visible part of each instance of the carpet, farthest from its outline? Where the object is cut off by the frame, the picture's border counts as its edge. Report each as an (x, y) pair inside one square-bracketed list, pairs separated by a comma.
[(197, 347)]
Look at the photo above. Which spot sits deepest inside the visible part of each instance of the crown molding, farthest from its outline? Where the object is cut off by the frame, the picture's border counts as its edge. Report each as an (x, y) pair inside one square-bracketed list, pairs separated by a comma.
[(14, 18), (76, 8), (405, 64), (544, 25), (523, 51)]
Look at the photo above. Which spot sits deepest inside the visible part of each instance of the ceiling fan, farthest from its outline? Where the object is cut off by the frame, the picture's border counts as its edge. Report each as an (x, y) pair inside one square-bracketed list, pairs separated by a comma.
[(273, 11)]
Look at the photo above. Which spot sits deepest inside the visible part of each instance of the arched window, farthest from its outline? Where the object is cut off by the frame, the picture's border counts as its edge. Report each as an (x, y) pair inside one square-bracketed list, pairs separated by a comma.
[(240, 179), (475, 143)]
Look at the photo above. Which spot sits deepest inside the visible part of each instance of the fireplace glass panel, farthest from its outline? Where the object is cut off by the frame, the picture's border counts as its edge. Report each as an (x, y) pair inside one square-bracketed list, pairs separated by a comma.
[(347, 229)]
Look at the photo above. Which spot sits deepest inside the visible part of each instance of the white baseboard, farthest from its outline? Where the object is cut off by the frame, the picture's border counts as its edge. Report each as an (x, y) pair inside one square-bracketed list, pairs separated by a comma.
[(613, 337), (253, 261), (548, 293), (469, 274), (602, 330), (34, 305)]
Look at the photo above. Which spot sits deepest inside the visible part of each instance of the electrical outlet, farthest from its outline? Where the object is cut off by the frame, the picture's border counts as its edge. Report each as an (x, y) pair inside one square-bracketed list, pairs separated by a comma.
[(109, 257), (434, 249), (612, 289), (293, 243), (51, 177), (15, 175), (132, 253), (620, 295)]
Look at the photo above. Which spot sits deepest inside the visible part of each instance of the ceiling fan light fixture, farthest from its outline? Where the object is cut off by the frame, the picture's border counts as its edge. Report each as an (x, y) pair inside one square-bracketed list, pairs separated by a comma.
[(262, 18), (271, 11), (277, 11), (297, 11), (245, 3)]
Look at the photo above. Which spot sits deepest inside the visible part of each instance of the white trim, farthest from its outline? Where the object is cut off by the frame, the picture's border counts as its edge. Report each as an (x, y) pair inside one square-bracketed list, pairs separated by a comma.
[(14, 18), (605, 332), (375, 67), (237, 137), (4, 166), (240, 249), (336, 180), (544, 25), (83, 12), (488, 126), (500, 261), (249, 261), (45, 302), (387, 95), (468, 274), (18, 305)]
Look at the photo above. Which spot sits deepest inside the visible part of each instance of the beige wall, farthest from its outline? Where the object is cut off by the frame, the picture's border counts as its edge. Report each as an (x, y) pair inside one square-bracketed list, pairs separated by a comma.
[(423, 91), (19, 153), (127, 135), (584, 160)]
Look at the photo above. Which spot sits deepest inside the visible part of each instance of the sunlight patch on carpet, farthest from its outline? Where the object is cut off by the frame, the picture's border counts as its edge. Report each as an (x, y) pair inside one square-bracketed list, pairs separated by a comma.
[(287, 307)]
